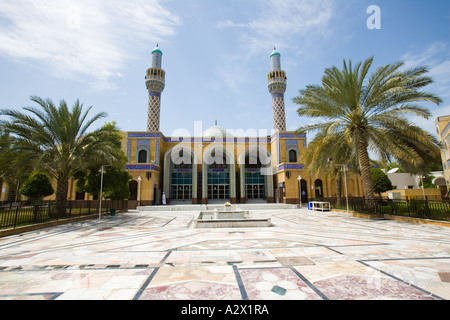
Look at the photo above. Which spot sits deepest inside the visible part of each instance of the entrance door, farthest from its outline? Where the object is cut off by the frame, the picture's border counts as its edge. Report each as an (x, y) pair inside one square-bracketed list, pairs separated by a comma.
[(255, 191), (304, 191), (182, 192), (133, 186), (255, 187), (182, 184), (218, 184), (218, 192)]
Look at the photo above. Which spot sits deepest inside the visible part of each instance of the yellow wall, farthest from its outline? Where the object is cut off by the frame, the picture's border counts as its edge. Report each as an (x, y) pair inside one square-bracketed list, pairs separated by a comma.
[(155, 165), (416, 193), (443, 123), (285, 141)]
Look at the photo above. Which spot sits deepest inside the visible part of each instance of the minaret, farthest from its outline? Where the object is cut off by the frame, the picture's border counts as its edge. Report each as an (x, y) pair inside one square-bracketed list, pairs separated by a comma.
[(277, 87), (155, 81)]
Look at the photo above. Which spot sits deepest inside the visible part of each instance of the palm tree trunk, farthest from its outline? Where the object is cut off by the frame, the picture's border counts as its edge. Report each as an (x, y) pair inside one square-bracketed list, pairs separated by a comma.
[(61, 196), (339, 188), (364, 165), (12, 191)]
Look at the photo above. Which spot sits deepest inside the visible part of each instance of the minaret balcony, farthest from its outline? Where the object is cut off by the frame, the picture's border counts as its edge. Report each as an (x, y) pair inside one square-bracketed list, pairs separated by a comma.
[(154, 85), (277, 87), (277, 80)]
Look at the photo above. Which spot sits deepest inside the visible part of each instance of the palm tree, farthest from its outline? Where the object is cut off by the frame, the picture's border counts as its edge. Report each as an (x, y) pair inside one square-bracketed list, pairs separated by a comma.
[(322, 157), (56, 140), (12, 171), (369, 113)]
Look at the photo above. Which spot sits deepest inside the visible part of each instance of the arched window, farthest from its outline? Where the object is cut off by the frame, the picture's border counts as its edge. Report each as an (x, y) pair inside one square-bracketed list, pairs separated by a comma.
[(318, 185), (292, 156), (142, 156)]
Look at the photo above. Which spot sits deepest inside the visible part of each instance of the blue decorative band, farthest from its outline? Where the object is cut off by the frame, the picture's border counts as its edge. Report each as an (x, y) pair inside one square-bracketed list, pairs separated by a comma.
[(224, 140), (141, 167), (144, 135), (291, 167), (277, 95), (289, 135), (155, 94)]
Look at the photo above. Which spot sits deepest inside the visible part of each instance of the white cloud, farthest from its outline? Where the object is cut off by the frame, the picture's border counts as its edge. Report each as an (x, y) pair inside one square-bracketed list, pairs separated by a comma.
[(279, 21), (84, 40), (286, 24), (436, 57)]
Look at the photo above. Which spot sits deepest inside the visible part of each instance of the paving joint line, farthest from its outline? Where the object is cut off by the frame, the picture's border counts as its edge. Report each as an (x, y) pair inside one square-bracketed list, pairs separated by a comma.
[(401, 280)]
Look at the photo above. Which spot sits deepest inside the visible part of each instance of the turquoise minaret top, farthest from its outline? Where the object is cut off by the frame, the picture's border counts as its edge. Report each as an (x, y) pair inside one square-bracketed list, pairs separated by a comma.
[(275, 57), (157, 57)]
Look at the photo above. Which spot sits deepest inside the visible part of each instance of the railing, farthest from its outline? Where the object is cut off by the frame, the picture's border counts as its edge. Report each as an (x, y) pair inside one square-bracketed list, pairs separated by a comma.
[(427, 209), (13, 216)]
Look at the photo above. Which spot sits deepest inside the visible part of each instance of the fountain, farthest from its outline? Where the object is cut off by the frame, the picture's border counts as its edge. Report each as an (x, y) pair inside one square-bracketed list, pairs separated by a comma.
[(229, 218)]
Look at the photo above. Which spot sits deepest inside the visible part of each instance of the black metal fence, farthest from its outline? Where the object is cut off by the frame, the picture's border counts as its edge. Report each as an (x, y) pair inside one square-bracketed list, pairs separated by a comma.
[(426, 209), (17, 215)]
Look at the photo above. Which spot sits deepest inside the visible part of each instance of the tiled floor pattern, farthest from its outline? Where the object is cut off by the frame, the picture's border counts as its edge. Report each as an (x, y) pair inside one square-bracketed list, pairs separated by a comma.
[(157, 256)]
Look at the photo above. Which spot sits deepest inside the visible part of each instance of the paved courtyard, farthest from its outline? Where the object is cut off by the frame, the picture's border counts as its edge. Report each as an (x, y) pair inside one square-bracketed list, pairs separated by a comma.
[(158, 256)]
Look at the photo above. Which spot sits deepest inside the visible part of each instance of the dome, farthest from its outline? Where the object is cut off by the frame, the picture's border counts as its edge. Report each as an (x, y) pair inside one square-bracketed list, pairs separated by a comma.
[(157, 50), (217, 132), (275, 52)]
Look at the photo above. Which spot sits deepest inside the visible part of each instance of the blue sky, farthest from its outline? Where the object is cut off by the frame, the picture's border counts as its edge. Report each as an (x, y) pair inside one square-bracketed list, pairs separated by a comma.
[(216, 53)]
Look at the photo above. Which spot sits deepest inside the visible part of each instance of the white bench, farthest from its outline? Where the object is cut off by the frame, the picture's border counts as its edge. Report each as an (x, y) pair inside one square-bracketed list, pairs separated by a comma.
[(320, 206)]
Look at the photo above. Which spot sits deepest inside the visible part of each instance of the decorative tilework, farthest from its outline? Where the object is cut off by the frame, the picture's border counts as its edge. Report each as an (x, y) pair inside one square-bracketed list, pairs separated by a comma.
[(291, 167), (279, 117), (143, 142), (141, 167), (276, 62), (290, 135), (199, 139), (129, 151), (292, 145), (154, 106), (157, 152), (156, 60), (278, 151), (144, 135)]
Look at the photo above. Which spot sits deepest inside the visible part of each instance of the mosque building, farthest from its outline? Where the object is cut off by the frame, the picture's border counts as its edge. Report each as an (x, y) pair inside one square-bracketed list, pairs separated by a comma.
[(217, 166)]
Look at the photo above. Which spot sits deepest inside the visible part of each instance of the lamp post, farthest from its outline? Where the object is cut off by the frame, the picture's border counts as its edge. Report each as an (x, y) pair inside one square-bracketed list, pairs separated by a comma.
[(343, 168), (102, 169), (299, 178), (139, 190)]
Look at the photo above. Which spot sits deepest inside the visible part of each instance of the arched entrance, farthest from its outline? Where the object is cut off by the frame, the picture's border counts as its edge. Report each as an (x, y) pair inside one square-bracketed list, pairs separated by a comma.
[(256, 175), (180, 175), (181, 179), (218, 179), (304, 191), (254, 180), (318, 186), (218, 176), (133, 187)]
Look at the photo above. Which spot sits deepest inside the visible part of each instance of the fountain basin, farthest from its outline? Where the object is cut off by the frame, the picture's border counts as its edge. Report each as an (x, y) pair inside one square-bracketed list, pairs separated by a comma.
[(229, 219)]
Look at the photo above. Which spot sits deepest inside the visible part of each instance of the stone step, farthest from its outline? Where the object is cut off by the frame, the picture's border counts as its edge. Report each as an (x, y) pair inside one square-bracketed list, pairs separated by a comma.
[(202, 207)]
